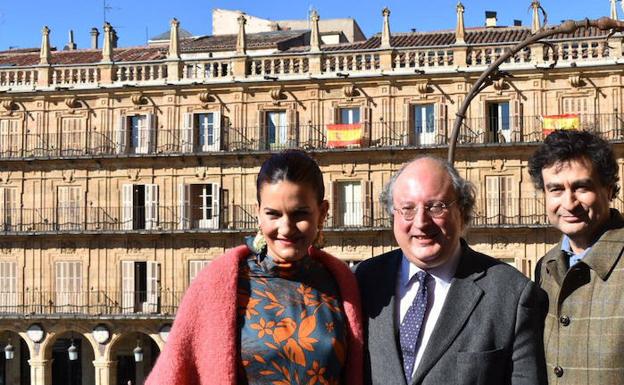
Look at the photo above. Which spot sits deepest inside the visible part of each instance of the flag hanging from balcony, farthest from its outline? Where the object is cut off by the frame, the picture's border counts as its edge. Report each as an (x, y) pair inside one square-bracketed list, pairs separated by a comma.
[(344, 135), (561, 122)]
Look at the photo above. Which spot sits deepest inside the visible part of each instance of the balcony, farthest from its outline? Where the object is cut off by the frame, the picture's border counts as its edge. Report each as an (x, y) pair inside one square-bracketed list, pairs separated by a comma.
[(518, 129), (93, 303), (523, 212)]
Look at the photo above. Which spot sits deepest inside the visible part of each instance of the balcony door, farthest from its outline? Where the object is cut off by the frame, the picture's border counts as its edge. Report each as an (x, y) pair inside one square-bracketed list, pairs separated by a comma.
[(140, 287), (69, 290), (424, 122), (68, 208), (500, 204), (140, 207), (349, 208), (8, 209), (10, 139), (499, 127), (277, 129), (8, 287), (199, 206)]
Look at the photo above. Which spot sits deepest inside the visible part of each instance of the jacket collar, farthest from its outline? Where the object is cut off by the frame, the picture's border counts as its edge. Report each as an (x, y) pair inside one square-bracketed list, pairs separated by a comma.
[(602, 257)]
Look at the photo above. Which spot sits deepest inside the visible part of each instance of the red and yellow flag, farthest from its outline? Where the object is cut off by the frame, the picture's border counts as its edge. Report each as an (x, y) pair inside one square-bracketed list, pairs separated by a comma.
[(561, 122), (344, 135)]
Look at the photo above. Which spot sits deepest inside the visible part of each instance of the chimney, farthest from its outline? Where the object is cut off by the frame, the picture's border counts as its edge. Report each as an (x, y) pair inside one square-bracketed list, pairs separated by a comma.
[(115, 38), (517, 23), (490, 19), (70, 44), (94, 38)]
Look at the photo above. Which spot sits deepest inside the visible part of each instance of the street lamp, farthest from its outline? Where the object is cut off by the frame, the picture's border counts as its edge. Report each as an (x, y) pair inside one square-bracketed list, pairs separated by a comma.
[(72, 351), (9, 352), (138, 352)]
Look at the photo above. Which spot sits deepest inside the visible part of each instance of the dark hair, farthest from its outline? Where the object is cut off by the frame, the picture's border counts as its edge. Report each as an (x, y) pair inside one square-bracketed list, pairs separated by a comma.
[(293, 166), (464, 190), (567, 145)]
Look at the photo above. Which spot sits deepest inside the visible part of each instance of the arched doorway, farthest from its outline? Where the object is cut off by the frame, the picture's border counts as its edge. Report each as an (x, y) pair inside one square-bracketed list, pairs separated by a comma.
[(136, 354), (73, 358), (14, 356)]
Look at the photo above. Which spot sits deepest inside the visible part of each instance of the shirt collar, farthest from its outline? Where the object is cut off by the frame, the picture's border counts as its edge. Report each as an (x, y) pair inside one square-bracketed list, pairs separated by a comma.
[(443, 273)]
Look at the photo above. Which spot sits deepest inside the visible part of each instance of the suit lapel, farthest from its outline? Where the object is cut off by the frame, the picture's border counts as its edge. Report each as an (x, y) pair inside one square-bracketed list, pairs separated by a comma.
[(388, 329), (463, 296)]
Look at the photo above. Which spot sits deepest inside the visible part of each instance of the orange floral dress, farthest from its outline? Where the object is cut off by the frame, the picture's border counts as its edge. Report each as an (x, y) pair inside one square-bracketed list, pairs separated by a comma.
[(291, 322)]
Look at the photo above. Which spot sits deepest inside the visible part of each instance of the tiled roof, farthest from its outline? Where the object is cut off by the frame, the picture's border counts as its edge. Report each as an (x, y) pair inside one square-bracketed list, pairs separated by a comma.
[(479, 35), (286, 41), (280, 40), (83, 56)]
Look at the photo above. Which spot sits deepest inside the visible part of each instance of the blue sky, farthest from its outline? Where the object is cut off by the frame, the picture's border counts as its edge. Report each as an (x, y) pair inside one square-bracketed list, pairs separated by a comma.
[(20, 24)]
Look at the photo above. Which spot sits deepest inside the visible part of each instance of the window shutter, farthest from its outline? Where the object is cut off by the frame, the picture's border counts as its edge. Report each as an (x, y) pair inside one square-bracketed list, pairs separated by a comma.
[(291, 128), (127, 206), (406, 131), (62, 207), (151, 206), (127, 286), (153, 279), (4, 211), (492, 208), (184, 206), (224, 214), (121, 134), (367, 200), (216, 118), (262, 134), (187, 133), (195, 267), (365, 120), (8, 286), (215, 206), (61, 284), (336, 208), (147, 131)]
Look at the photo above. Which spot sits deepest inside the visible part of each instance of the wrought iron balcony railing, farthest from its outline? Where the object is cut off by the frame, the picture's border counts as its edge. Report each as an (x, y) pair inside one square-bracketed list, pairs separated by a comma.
[(90, 303), (379, 134)]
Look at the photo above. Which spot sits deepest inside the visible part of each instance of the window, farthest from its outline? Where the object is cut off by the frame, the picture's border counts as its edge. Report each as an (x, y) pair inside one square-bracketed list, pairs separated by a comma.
[(140, 283), (349, 207), (579, 106), (498, 122), (9, 138), (500, 205), (135, 134), (199, 206), (69, 293), (424, 129), (202, 132), (349, 115), (8, 286), (8, 209), (140, 207), (195, 267), (276, 129), (71, 140), (68, 208)]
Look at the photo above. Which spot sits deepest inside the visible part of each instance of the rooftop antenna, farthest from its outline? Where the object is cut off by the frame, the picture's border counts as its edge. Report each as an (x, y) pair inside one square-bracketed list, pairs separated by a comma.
[(105, 9)]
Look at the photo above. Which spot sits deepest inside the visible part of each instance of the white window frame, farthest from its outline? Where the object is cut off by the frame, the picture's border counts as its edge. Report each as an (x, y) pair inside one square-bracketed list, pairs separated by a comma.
[(69, 289)]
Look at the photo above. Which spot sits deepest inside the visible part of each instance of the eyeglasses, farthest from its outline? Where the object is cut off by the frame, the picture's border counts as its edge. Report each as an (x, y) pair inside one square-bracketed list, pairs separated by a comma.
[(434, 209)]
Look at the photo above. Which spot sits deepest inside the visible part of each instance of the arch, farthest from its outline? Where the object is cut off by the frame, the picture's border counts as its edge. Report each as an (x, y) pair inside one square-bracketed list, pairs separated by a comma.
[(15, 370), (122, 349)]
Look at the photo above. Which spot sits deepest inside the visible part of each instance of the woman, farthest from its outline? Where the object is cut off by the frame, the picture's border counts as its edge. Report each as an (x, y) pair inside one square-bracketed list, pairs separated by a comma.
[(276, 310)]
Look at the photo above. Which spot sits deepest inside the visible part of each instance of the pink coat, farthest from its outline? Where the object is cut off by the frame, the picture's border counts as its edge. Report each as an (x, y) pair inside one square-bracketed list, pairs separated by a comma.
[(202, 348)]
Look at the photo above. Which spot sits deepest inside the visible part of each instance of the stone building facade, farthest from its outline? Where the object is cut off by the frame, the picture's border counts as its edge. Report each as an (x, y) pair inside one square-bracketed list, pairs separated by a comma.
[(124, 171)]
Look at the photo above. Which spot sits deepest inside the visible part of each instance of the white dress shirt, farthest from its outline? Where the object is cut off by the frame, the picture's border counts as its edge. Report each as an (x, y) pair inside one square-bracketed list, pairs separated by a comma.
[(437, 289)]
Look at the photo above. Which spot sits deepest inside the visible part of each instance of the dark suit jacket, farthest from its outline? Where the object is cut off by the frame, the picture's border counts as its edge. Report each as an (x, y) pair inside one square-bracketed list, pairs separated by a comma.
[(489, 331)]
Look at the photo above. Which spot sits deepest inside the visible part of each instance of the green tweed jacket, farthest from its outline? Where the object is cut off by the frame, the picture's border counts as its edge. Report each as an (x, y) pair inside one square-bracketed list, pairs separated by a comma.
[(584, 328)]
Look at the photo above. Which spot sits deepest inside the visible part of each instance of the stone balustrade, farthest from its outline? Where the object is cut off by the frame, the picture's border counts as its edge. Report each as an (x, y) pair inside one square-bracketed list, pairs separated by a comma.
[(350, 62), (137, 72), (10, 77), (422, 58), (76, 75), (206, 69)]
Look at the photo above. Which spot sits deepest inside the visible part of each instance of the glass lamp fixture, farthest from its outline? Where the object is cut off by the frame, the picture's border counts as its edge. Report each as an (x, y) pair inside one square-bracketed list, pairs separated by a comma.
[(138, 353), (72, 351), (9, 351)]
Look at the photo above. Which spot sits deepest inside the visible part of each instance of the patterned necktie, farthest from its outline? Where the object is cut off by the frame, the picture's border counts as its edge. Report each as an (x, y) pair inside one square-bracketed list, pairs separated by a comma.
[(411, 325)]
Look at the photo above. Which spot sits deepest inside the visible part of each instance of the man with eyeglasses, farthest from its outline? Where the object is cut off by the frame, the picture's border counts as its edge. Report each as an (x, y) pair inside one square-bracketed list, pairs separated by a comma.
[(439, 312)]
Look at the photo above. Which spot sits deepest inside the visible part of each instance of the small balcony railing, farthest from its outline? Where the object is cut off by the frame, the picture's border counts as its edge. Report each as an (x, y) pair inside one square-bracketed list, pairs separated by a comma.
[(378, 134), (523, 212), (90, 303)]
